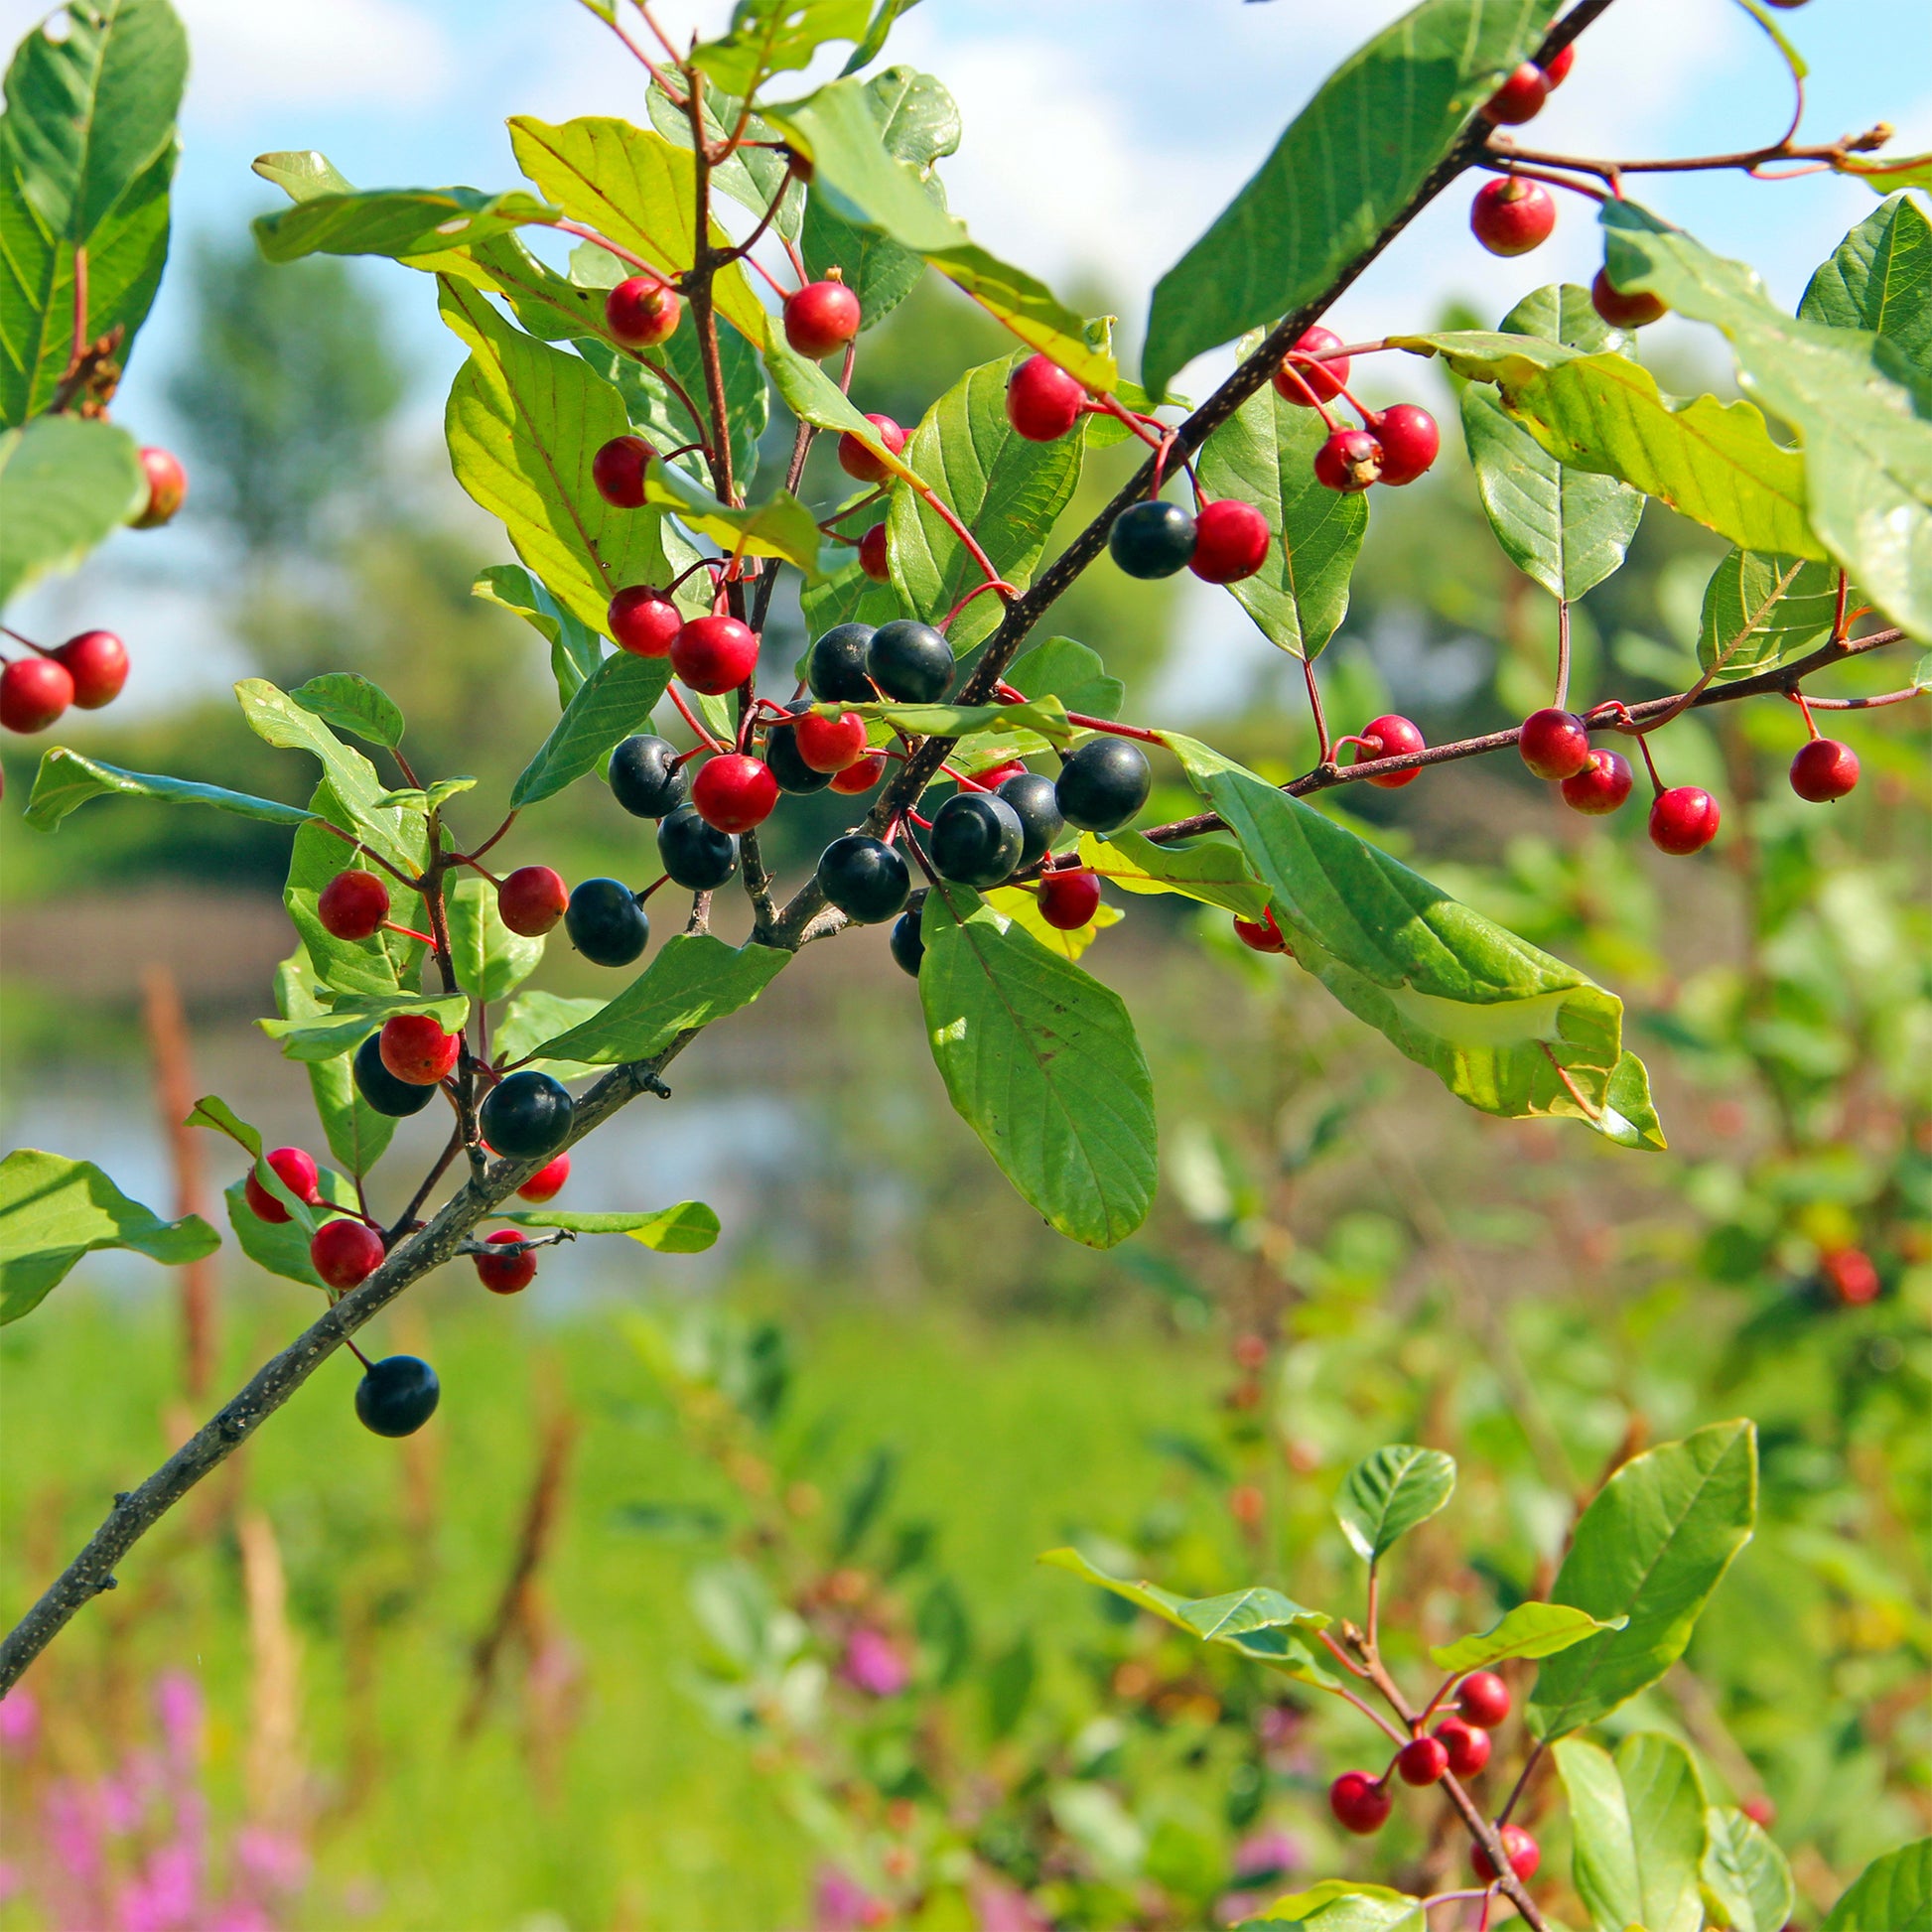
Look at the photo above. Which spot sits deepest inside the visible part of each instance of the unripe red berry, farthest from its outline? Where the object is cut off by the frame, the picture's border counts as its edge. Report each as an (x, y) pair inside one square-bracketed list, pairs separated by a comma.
[(1850, 1275), (1482, 1699), (618, 470), (643, 620), (1069, 900), (859, 462), (642, 311), (1557, 71), (733, 792), (1262, 935), (1322, 380), (1395, 737), (1230, 541), (714, 654), (1683, 821), (1519, 1848), (96, 660), (821, 317), (34, 691), (875, 555), (296, 1172), (1600, 786), (1359, 1802), (167, 487), (1511, 215), (1351, 459), (1554, 743), (416, 1050), (1409, 441), (506, 1273), (1824, 769), (1422, 1760), (531, 900), (345, 1253), (1635, 310), (1044, 403), (829, 744), (352, 905), (1468, 1746), (1520, 98), (860, 776), (547, 1183)]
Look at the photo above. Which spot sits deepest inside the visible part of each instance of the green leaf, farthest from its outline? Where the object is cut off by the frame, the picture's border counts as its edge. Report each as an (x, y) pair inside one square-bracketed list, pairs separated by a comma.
[(1652, 1545), (615, 701), (1212, 871), (1892, 1894), (53, 1210), (1041, 1062), (1071, 672), (381, 963), (282, 1247), (1529, 1631), (491, 960), (1264, 455), (67, 780), (769, 37), (1849, 395), (354, 1017), (214, 1113), (884, 15), (576, 649), (689, 1228), (1745, 1874), (750, 175), (1046, 715), (1007, 491), (302, 174), (1880, 277), (1389, 1493), (1638, 1821), (1760, 611), (395, 222), (532, 1017), (66, 484), (352, 704), (414, 798), (780, 526), (847, 595), (1330, 188), (694, 980), (358, 1135), (1503, 1026), (1345, 1905), (813, 398)]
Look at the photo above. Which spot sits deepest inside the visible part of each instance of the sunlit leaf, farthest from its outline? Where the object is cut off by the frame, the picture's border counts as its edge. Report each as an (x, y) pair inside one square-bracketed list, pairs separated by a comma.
[(1389, 1493), (1639, 1832)]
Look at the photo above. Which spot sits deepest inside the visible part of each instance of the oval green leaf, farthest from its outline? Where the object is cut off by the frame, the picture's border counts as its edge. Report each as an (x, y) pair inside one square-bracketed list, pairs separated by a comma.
[(1389, 1493)]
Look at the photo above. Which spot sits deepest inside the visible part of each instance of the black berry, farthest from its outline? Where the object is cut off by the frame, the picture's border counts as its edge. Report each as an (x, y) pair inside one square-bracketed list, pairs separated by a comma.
[(526, 1116), (606, 923), (397, 1395), (909, 661), (781, 754), (382, 1089), (697, 855), (864, 877), (976, 839), (835, 672), (1103, 784), (1152, 539), (1035, 803), (646, 779), (909, 943)]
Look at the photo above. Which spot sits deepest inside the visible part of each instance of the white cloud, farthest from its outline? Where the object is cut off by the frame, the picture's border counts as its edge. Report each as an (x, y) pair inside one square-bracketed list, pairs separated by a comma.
[(348, 53)]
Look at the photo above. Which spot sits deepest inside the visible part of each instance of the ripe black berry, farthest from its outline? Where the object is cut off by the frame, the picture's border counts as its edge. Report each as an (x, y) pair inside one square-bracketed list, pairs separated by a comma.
[(976, 839), (909, 943), (380, 1088), (606, 923), (1103, 784), (397, 1395), (836, 671), (646, 779), (1151, 539), (909, 661), (782, 755), (697, 855), (864, 877), (1035, 803), (526, 1116)]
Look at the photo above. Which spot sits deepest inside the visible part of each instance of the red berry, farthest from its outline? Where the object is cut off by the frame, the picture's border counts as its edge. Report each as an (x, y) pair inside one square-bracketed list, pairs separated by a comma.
[(1519, 1848), (1397, 738), (506, 1273), (345, 1253), (994, 779), (34, 691), (352, 905), (618, 470), (1044, 403), (1410, 440), (416, 1050), (733, 792), (643, 620), (1262, 935), (860, 777), (1483, 1697), (1351, 459), (1600, 786), (1557, 70), (531, 900), (1683, 821), (1510, 217), (167, 487), (1360, 1803), (1322, 380), (642, 311), (297, 1173), (1422, 1760), (547, 1183), (96, 660), (858, 460), (1520, 98), (1468, 1746), (1824, 769), (1632, 311), (1850, 1275), (1554, 743), (829, 744), (874, 558), (821, 317), (1759, 1809), (714, 654), (1069, 900), (1230, 541)]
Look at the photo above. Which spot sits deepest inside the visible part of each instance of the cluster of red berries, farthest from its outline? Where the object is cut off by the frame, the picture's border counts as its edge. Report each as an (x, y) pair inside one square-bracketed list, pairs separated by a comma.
[(1393, 446)]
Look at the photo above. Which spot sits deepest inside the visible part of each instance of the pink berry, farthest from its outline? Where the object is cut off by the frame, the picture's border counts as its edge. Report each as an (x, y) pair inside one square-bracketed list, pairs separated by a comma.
[(1554, 743), (1422, 1760), (1359, 1802), (1635, 310), (859, 462), (1519, 1848), (821, 317), (547, 1183), (345, 1253), (733, 792), (34, 691), (617, 470), (1683, 821), (297, 1173), (1510, 217), (1468, 1746), (167, 487), (1824, 769), (643, 620), (416, 1050), (352, 905), (1069, 900), (1230, 541), (642, 311), (1392, 738), (506, 1273), (1483, 1697), (829, 744), (1319, 381), (1262, 935), (714, 654), (1520, 98), (874, 557), (1410, 440), (1044, 403), (531, 900), (1600, 786), (96, 660), (1351, 459)]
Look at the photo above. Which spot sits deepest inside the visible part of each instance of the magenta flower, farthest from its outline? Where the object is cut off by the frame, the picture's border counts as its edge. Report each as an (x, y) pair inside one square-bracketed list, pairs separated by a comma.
[(873, 1663), (20, 1721), (839, 1903)]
